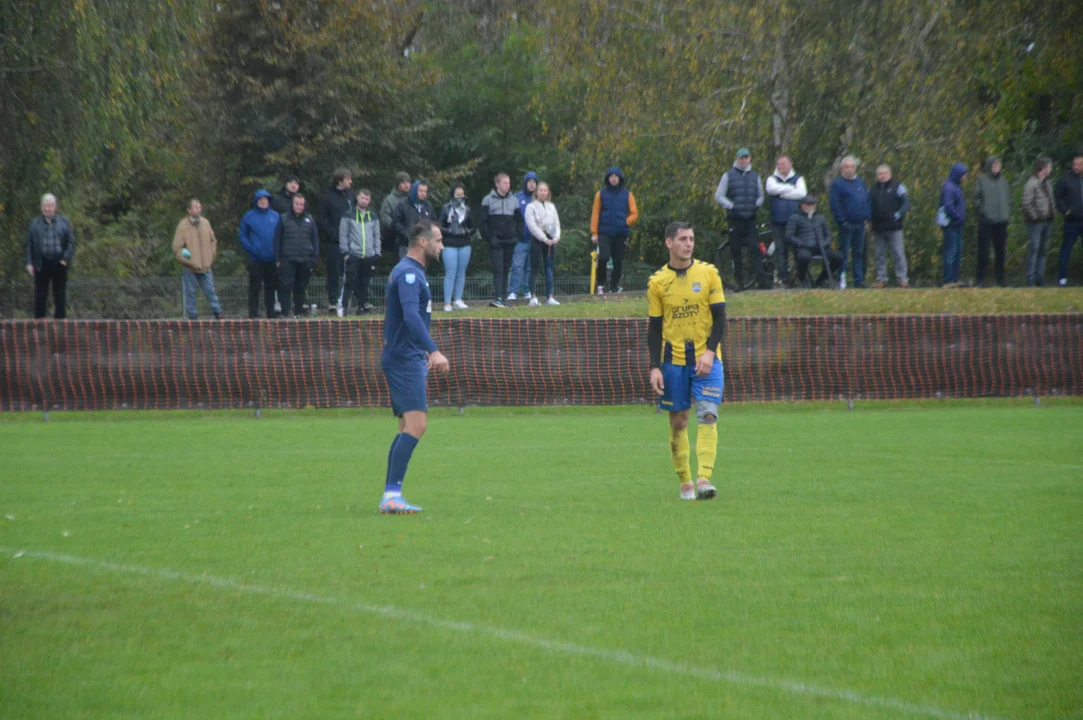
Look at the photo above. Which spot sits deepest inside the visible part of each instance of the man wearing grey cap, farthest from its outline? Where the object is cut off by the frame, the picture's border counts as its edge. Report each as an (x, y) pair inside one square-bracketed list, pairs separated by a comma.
[(740, 192)]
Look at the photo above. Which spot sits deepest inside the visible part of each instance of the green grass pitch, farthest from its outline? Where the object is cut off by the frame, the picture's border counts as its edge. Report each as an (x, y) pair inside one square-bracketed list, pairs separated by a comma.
[(921, 560)]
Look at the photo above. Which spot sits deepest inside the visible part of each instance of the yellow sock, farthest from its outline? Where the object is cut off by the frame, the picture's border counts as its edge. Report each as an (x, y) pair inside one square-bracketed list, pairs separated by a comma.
[(678, 447), (706, 448)]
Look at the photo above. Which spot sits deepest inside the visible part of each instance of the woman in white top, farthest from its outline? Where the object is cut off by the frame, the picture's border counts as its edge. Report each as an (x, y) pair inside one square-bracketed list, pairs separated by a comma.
[(543, 223)]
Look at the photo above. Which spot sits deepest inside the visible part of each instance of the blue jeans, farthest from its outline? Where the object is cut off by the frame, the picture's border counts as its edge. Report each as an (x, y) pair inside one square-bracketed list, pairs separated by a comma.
[(953, 253), (1072, 231), (520, 269), (852, 249), (206, 282), (543, 255), (455, 262), (1037, 249)]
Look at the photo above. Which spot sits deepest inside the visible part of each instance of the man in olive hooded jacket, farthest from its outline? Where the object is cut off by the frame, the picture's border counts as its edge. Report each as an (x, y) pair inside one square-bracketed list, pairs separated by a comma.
[(992, 201)]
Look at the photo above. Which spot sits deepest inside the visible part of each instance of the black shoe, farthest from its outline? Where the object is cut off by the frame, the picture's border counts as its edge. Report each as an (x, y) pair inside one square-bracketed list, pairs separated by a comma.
[(498, 303)]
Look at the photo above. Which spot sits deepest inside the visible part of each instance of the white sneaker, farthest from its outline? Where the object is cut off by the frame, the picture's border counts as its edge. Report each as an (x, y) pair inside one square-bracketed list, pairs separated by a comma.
[(552, 301), (447, 308), (705, 490), (1063, 282), (512, 296), (534, 302), (340, 311), (526, 296), (842, 281), (601, 290), (688, 491), (460, 305)]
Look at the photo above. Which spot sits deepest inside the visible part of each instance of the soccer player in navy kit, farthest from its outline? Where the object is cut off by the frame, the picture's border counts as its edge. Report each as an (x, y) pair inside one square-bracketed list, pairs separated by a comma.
[(409, 353)]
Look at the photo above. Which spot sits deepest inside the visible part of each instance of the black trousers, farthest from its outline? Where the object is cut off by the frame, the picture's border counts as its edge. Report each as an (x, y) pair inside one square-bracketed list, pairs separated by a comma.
[(611, 246), (743, 234), (997, 234), (51, 272), (293, 281), (804, 255), (358, 274), (782, 261), (501, 256), (332, 256), (261, 275)]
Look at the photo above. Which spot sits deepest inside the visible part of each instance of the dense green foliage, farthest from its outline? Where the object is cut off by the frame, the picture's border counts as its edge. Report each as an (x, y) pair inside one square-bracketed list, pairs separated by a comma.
[(125, 109), (883, 563)]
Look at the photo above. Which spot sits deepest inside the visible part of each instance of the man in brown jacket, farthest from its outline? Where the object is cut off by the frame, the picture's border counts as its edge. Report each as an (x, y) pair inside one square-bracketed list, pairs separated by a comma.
[(195, 246), (1038, 211)]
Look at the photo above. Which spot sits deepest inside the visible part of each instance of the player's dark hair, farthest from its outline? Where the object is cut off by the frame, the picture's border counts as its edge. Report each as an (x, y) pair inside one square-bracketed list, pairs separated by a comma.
[(422, 229), (675, 227), (339, 175)]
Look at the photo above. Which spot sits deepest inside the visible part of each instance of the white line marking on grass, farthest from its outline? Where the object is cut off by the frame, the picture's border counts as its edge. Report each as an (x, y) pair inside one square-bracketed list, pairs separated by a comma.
[(617, 657)]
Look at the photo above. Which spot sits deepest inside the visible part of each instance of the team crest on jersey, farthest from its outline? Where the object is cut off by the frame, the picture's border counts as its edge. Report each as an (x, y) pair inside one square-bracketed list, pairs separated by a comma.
[(695, 287), (410, 278)]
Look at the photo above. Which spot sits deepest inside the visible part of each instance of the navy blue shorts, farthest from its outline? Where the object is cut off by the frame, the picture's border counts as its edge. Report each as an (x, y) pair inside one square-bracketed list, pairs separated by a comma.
[(407, 386), (681, 386)]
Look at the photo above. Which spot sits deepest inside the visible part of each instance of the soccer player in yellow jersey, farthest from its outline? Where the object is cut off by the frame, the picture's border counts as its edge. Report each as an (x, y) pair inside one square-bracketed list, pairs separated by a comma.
[(687, 316)]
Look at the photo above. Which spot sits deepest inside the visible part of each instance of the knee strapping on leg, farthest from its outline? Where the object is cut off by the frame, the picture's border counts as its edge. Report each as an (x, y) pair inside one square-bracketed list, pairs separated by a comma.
[(706, 412)]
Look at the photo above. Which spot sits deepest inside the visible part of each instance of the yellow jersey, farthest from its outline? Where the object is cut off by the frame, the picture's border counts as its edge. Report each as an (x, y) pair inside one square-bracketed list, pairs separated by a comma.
[(683, 299)]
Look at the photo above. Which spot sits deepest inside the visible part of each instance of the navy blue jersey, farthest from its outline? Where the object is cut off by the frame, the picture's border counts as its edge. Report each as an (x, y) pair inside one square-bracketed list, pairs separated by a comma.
[(408, 315)]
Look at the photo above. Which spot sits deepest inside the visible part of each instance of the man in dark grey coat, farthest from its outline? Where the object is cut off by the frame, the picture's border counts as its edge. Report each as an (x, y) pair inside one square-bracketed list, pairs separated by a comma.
[(807, 233), (50, 247)]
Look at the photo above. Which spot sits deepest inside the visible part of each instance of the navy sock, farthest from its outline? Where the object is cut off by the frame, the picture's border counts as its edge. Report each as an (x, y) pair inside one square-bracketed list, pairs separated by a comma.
[(401, 450), (390, 453)]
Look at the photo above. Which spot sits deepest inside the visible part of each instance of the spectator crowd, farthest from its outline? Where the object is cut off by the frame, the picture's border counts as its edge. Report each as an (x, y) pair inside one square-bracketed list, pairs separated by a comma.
[(283, 240)]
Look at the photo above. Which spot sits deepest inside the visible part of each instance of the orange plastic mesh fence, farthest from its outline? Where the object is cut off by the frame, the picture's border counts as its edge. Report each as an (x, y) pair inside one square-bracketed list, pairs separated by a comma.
[(90, 365)]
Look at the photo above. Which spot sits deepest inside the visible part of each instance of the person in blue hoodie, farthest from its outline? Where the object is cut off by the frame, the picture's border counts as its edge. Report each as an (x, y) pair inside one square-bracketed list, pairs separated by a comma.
[(850, 206), (415, 206), (951, 220), (520, 260), (257, 236)]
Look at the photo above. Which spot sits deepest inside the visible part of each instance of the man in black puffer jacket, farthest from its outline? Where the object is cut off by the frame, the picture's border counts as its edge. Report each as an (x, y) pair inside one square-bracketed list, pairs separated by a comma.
[(335, 204), (807, 233), (296, 249)]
